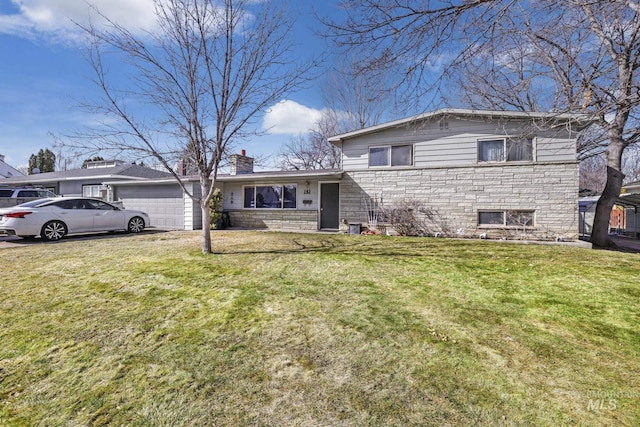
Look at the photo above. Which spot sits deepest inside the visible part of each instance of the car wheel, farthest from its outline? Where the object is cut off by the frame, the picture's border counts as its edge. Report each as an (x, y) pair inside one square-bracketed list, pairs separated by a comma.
[(136, 225), (53, 230)]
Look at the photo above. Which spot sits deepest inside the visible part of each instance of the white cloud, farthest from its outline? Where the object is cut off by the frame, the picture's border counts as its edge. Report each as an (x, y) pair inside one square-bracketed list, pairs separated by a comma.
[(289, 117), (54, 19)]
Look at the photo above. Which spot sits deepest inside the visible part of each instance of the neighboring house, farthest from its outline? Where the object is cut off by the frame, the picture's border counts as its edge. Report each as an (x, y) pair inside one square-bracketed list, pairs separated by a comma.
[(482, 171), (87, 182), (630, 199), (7, 171), (625, 215), (587, 209)]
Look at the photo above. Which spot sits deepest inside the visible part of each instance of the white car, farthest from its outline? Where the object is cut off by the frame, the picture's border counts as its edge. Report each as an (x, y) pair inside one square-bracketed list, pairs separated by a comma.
[(53, 218), (25, 192)]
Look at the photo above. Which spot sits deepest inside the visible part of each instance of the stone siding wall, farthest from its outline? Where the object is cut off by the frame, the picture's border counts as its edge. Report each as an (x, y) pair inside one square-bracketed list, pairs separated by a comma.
[(274, 219), (459, 193)]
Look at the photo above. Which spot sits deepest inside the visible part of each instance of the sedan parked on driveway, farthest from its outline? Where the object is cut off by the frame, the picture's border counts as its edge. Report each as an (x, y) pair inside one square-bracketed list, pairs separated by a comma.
[(53, 218)]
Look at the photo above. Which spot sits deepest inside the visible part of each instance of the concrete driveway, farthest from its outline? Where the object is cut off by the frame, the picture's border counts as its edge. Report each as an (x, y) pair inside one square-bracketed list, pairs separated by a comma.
[(13, 241), (9, 241), (626, 243)]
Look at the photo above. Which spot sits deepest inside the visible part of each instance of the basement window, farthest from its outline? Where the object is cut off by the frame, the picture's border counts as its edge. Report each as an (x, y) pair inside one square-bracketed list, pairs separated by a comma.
[(506, 218)]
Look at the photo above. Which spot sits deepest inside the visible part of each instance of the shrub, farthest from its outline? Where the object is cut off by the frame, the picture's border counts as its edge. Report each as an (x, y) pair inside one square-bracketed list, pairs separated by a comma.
[(215, 208), (410, 217)]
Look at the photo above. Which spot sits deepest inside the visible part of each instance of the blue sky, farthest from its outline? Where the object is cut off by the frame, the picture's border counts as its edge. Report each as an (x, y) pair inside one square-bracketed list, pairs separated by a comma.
[(43, 74)]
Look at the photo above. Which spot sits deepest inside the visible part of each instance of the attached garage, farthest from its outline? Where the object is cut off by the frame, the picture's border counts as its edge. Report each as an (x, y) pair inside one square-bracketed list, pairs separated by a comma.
[(165, 202)]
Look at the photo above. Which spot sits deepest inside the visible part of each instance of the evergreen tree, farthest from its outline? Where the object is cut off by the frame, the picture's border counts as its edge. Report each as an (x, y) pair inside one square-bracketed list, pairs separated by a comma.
[(44, 161)]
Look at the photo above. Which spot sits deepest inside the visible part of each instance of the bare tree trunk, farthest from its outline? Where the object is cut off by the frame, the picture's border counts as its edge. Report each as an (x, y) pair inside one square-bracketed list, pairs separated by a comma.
[(201, 78), (206, 230), (205, 197), (600, 233)]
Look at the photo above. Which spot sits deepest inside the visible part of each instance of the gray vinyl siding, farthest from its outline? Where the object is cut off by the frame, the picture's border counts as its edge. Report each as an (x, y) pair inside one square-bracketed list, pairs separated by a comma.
[(458, 145), (556, 147), (74, 188)]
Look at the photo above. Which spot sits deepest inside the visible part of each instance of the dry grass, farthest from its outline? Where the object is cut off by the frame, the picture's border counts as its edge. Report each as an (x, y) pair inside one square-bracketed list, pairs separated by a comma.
[(290, 329)]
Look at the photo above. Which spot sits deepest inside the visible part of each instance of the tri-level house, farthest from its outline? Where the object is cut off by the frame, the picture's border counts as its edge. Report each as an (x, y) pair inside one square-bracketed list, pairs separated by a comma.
[(481, 172)]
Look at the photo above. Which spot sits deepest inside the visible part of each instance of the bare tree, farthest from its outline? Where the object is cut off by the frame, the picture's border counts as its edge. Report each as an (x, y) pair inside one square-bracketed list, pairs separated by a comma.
[(313, 151), (631, 164), (593, 176), (358, 97), (354, 99), (203, 77), (572, 56)]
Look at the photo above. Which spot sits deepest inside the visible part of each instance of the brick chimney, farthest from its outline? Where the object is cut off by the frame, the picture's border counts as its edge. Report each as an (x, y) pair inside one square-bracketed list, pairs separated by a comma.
[(241, 164)]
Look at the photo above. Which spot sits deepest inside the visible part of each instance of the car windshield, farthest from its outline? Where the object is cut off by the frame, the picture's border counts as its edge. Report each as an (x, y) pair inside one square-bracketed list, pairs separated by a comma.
[(35, 203)]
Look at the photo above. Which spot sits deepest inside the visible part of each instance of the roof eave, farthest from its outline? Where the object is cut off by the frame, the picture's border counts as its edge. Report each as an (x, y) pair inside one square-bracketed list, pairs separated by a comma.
[(258, 176), (582, 119)]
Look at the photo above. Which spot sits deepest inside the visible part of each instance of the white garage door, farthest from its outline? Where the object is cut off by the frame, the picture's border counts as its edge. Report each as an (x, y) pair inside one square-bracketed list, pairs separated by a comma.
[(163, 203)]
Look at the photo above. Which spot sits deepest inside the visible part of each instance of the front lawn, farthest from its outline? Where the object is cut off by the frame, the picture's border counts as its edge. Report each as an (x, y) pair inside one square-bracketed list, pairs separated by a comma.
[(280, 329)]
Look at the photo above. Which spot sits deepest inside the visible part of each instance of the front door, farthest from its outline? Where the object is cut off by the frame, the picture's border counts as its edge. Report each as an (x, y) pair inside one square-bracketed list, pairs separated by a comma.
[(330, 205)]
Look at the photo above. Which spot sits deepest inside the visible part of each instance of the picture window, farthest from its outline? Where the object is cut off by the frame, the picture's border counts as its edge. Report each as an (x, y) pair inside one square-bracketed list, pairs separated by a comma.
[(270, 196)]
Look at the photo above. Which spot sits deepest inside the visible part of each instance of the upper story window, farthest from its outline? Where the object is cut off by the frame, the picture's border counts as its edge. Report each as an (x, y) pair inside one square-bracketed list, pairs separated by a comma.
[(391, 155), (270, 196), (505, 150)]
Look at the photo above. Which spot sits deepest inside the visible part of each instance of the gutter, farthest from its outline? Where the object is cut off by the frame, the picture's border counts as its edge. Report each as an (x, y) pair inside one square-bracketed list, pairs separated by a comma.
[(257, 176), (584, 119)]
